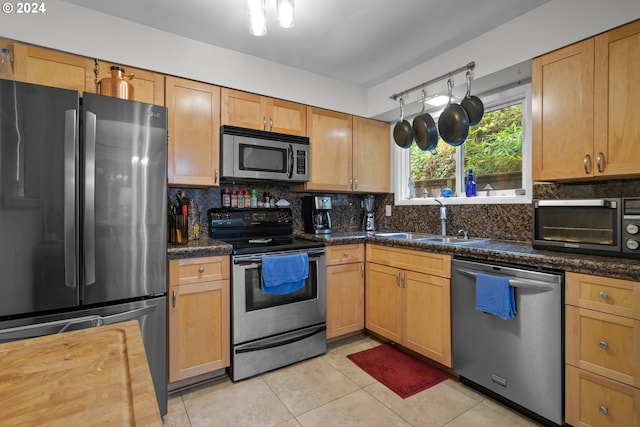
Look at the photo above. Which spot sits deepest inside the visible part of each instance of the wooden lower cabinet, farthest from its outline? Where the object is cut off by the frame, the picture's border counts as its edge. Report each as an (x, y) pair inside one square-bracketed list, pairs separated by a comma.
[(199, 319), (602, 351), (596, 401), (405, 304), (345, 289)]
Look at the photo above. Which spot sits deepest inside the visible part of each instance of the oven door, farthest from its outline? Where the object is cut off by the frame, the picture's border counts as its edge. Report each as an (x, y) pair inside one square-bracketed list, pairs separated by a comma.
[(257, 314), (586, 226)]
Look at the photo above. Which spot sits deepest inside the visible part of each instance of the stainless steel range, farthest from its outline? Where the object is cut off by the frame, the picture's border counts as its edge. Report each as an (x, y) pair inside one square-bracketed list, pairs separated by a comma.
[(270, 330)]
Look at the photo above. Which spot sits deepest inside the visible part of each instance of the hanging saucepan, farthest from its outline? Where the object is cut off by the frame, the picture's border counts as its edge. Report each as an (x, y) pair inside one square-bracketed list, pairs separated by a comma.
[(453, 123), (472, 104), (425, 130), (402, 133)]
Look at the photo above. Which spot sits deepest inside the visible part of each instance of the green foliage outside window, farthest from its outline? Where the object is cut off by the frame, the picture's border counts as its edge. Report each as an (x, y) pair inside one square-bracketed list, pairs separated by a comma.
[(493, 146)]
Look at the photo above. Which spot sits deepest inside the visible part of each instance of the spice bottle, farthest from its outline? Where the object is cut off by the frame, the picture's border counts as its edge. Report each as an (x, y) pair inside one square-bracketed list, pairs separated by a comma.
[(226, 198), (234, 199), (254, 198), (240, 194), (247, 199)]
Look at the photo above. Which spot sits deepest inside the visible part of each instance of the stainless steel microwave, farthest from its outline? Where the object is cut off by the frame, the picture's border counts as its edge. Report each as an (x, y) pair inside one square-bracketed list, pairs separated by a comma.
[(247, 154), (608, 226)]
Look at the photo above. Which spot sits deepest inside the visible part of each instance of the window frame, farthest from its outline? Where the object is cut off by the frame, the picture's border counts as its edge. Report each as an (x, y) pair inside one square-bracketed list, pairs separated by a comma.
[(493, 101)]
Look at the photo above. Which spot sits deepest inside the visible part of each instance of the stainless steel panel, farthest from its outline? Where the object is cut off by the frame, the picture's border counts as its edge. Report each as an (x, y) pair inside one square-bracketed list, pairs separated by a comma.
[(130, 199), (33, 231), (275, 352), (521, 358)]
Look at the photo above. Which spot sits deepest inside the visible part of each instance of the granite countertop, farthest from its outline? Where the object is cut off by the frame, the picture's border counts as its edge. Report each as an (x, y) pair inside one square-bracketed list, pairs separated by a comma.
[(203, 247), (518, 253)]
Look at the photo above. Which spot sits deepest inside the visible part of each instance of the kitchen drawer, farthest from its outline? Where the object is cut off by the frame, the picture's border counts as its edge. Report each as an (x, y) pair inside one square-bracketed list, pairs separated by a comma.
[(615, 296), (196, 270), (344, 254), (406, 259), (604, 344), (593, 400)]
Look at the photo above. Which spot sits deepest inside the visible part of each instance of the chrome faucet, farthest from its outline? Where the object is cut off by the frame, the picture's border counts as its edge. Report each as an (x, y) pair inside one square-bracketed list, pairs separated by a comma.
[(443, 217)]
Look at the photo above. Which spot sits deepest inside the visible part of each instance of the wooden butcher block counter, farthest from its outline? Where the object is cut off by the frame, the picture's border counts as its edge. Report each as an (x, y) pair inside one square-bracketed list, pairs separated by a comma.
[(90, 377)]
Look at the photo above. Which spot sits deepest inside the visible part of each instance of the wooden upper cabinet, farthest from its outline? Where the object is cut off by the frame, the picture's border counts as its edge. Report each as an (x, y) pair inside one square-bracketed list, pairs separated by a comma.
[(248, 110), (617, 89), (147, 86), (194, 132), (331, 154), (49, 67), (584, 120), (371, 151), (562, 114)]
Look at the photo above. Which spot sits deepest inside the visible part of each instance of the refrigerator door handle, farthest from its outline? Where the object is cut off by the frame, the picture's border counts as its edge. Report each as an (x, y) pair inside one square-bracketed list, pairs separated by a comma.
[(128, 315), (70, 148), (89, 199), (49, 328)]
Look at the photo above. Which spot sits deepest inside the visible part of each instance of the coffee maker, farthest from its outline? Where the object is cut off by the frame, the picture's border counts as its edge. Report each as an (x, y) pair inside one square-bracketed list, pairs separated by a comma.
[(315, 214), (369, 223)]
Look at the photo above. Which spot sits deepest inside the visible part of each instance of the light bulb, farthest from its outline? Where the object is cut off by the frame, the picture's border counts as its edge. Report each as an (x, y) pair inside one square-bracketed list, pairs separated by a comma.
[(285, 12), (257, 25)]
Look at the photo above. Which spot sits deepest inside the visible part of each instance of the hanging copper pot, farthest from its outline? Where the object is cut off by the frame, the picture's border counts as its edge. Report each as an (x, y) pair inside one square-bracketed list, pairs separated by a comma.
[(118, 85)]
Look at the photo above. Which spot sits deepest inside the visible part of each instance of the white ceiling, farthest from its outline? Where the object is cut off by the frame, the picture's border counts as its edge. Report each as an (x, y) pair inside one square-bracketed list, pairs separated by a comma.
[(363, 42)]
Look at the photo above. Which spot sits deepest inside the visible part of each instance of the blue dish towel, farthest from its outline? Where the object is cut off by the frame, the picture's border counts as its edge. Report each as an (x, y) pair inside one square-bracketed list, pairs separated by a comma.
[(283, 274), (495, 296)]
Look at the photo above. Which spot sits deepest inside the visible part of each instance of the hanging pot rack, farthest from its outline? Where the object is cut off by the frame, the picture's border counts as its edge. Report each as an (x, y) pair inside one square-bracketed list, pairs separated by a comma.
[(469, 67)]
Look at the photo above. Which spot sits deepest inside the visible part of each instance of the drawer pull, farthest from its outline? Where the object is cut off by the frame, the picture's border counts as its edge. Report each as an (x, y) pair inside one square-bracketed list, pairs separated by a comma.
[(346, 254), (201, 270), (603, 295), (604, 345), (603, 410)]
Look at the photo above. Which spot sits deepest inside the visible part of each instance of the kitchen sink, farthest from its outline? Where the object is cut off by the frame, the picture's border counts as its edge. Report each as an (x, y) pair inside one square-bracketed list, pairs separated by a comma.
[(429, 238), (452, 239)]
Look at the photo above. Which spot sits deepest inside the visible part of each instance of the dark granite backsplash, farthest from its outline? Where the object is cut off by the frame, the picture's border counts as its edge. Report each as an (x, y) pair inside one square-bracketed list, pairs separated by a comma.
[(501, 221)]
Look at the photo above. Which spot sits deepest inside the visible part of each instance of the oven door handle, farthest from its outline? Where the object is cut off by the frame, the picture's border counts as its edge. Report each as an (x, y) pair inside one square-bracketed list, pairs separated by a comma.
[(257, 258), (516, 283), (277, 343)]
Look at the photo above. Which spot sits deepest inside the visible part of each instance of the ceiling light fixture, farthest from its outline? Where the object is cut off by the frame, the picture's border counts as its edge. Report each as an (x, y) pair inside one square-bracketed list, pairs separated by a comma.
[(285, 11), (437, 100)]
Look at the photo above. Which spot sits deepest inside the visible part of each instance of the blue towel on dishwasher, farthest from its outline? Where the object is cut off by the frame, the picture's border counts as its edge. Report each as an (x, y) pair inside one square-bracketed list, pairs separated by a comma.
[(283, 274), (495, 296)]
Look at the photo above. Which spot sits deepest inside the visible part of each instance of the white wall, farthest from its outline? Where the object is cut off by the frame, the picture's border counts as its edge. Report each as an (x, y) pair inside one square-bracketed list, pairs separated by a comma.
[(78, 30)]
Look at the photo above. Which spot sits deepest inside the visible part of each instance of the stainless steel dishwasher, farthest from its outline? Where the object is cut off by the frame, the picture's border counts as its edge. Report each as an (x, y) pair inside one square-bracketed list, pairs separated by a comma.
[(521, 360)]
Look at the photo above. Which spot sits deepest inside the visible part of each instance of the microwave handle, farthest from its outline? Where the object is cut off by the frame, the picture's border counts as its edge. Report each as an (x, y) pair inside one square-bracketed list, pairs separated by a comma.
[(290, 161), (611, 204)]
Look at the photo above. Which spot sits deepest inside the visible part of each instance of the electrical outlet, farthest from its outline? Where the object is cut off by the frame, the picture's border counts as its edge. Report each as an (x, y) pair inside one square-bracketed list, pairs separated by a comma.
[(387, 210)]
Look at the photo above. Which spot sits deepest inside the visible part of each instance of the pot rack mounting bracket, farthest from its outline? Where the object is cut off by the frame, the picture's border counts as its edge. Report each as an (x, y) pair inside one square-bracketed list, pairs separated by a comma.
[(469, 67)]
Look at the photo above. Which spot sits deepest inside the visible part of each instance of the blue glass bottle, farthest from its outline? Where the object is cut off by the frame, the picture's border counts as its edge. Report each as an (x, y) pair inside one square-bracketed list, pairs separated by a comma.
[(470, 188)]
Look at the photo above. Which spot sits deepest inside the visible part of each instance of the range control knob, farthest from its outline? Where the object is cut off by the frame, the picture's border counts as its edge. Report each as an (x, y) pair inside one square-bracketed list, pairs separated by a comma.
[(633, 244), (632, 228)]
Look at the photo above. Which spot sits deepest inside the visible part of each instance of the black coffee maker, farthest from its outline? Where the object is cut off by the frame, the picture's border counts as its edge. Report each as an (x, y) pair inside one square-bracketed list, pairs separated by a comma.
[(315, 214)]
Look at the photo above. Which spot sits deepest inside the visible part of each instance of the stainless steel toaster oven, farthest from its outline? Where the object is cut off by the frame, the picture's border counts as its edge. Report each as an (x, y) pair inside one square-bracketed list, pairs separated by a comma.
[(608, 226)]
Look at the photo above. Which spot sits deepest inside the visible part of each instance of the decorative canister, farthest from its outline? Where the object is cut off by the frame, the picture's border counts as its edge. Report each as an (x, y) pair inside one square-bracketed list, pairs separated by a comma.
[(117, 85)]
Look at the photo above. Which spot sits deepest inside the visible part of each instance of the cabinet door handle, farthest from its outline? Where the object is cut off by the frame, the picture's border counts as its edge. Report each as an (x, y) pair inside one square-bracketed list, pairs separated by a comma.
[(398, 279), (216, 177), (603, 295), (201, 269), (603, 344), (174, 299), (404, 283), (603, 410), (264, 122), (600, 162), (362, 270), (356, 184), (351, 183), (587, 164), (270, 124)]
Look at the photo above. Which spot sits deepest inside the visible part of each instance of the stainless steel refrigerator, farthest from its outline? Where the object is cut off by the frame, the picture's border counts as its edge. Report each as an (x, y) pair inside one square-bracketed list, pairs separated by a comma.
[(83, 231)]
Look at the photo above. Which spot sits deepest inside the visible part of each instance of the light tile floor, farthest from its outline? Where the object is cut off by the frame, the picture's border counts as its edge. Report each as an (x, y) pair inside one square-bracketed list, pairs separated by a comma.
[(332, 391)]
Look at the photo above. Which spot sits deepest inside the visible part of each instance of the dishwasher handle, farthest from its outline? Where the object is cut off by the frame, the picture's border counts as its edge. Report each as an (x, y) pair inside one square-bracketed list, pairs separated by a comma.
[(516, 283)]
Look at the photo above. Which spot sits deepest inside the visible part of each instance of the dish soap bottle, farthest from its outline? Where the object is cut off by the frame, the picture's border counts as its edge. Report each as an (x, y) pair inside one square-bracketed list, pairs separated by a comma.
[(470, 188)]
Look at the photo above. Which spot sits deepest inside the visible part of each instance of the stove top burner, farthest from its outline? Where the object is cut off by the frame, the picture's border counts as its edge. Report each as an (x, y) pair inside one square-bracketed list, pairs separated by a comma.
[(256, 230)]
